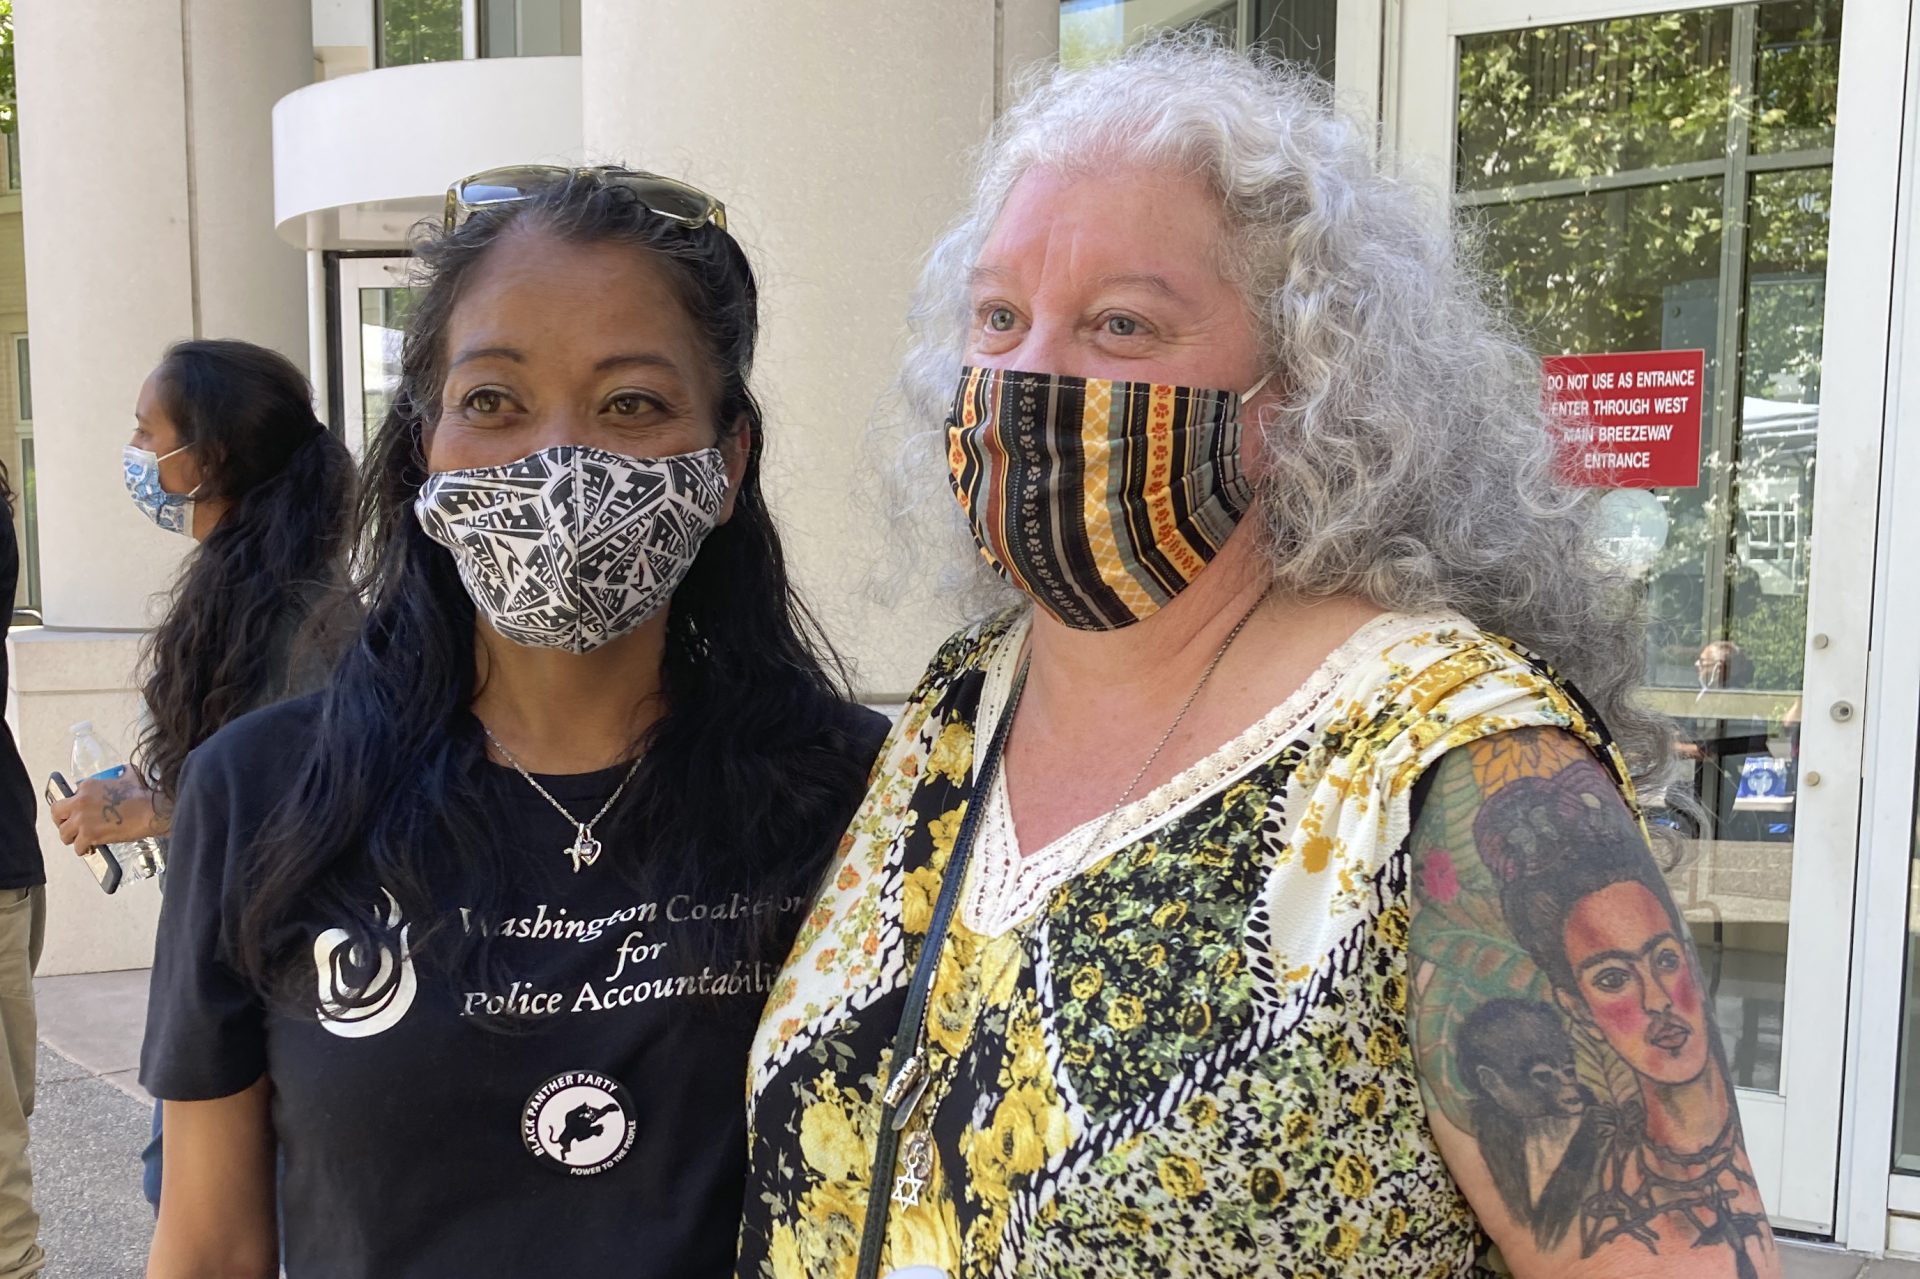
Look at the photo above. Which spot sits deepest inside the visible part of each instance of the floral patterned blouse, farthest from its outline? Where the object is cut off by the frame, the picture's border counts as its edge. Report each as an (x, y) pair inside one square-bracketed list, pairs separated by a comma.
[(1184, 1052)]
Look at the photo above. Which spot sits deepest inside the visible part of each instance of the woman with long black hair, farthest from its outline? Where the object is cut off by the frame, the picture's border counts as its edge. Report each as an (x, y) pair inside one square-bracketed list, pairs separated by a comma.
[(476, 937), (226, 450)]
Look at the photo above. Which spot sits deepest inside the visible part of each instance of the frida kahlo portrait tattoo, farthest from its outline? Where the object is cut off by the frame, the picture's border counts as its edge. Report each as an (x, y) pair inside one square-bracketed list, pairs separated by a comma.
[(1559, 1017)]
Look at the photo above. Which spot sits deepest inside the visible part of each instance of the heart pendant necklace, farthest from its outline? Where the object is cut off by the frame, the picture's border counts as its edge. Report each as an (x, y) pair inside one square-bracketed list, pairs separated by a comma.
[(585, 849)]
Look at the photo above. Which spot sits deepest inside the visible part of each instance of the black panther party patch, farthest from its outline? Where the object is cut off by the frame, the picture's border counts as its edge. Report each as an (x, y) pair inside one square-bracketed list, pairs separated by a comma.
[(579, 1123)]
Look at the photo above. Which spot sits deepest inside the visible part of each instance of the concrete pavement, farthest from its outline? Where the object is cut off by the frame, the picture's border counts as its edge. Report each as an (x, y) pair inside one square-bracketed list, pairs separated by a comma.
[(1801, 1261), (96, 1020), (86, 1140), (91, 1124)]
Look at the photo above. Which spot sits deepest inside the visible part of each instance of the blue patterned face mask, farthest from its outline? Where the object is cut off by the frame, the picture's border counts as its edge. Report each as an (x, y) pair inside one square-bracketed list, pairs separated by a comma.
[(171, 511)]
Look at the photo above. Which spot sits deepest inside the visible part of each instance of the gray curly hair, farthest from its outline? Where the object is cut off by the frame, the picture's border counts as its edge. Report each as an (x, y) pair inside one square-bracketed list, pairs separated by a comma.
[(1409, 461)]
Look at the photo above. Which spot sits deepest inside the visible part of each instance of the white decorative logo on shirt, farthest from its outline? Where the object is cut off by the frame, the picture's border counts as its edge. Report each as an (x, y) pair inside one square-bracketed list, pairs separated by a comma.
[(580, 1122), (360, 994)]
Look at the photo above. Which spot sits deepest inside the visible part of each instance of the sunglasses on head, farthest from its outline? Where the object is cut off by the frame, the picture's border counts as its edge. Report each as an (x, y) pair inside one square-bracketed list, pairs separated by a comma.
[(677, 202)]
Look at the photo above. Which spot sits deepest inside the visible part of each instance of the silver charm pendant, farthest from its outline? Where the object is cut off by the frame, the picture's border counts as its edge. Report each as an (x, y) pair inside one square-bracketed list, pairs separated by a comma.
[(916, 1165), (585, 850)]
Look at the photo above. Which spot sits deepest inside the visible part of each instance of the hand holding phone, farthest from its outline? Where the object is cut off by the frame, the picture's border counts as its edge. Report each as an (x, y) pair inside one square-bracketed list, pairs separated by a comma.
[(101, 861)]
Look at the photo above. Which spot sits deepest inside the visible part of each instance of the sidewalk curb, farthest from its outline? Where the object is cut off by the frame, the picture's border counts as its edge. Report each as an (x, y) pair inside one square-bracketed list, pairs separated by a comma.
[(96, 1021)]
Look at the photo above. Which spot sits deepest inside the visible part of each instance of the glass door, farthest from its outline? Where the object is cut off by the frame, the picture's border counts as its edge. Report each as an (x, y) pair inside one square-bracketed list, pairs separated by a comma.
[(369, 326), (1665, 181)]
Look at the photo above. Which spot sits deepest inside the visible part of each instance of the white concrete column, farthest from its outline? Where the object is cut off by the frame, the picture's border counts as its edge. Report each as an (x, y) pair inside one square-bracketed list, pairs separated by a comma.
[(242, 56), (148, 205), (837, 134)]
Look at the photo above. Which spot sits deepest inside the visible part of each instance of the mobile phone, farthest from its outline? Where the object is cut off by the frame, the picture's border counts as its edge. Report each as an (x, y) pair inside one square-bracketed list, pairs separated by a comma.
[(101, 861)]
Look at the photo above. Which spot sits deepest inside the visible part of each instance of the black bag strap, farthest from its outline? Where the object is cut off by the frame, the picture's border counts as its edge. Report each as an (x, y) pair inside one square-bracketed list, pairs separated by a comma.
[(886, 1151)]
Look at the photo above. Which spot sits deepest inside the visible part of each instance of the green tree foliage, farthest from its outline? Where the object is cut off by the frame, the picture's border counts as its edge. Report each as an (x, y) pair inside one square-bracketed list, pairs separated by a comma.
[(1591, 99), (1639, 267), (413, 31), (6, 66)]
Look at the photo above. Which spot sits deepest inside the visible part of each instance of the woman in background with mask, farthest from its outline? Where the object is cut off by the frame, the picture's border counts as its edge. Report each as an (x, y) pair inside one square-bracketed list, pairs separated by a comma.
[(477, 935), (225, 450)]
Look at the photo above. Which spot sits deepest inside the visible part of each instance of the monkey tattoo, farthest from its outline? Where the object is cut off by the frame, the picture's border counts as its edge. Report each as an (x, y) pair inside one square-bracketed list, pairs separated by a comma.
[(1537, 1125)]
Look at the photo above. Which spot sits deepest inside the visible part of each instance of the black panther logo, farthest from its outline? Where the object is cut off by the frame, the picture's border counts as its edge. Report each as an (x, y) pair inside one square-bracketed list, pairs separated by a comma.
[(582, 1123)]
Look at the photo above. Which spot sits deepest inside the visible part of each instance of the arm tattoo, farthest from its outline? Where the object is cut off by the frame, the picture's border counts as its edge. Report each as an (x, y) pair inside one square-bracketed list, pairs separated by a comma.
[(1559, 1015)]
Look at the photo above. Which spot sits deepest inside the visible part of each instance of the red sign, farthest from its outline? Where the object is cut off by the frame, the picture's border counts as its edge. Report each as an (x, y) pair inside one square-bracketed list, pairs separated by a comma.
[(1628, 419)]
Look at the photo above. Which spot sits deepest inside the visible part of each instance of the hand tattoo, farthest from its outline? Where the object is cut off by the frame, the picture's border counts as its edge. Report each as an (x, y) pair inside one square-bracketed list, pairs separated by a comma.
[(110, 805)]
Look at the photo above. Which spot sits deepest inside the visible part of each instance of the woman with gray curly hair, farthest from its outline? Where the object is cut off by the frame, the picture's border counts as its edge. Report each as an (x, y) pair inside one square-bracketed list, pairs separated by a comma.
[(1271, 896)]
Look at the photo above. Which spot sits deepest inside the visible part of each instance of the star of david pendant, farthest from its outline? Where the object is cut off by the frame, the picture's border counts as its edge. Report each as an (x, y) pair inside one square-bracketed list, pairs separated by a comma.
[(585, 850), (916, 1165)]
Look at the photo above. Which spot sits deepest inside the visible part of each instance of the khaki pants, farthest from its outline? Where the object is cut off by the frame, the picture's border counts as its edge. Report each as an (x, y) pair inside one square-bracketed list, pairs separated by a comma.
[(23, 919)]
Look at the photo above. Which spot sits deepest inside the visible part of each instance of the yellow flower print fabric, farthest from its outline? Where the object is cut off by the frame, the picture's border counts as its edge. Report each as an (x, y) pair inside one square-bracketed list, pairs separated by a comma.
[(1196, 1063)]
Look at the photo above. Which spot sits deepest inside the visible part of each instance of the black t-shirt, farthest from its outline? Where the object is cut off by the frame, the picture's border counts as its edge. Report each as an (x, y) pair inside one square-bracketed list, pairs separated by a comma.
[(606, 1138)]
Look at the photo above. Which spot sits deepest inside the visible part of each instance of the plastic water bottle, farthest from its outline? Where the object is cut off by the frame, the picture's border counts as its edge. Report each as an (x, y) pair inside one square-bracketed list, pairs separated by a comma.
[(92, 757)]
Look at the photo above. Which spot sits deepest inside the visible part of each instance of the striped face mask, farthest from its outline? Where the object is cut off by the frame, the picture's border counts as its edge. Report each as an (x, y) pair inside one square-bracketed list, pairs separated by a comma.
[(1101, 500)]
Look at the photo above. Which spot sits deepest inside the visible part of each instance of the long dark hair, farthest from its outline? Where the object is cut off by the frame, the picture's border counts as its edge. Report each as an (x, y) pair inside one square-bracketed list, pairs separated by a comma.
[(747, 756), (248, 414)]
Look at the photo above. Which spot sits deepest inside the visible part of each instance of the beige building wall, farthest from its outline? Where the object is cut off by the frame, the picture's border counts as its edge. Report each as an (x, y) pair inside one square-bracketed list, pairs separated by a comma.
[(838, 134), (241, 57)]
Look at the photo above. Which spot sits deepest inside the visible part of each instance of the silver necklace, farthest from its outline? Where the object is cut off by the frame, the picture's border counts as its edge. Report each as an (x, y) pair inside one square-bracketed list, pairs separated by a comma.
[(1126, 796), (908, 1088), (585, 849)]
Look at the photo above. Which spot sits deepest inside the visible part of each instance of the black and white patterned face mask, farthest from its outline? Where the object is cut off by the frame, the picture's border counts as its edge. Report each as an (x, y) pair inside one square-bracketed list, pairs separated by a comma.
[(572, 546)]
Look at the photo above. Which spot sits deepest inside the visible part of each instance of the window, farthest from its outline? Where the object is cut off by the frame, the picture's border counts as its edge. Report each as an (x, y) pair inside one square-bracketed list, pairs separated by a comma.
[(23, 380), (368, 322), (383, 329), (415, 31), (27, 597), (1297, 30), (529, 28), (26, 516)]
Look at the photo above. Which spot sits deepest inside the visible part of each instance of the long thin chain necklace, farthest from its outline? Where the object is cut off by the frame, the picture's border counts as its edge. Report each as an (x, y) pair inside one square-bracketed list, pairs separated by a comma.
[(907, 1089), (1126, 796), (585, 849)]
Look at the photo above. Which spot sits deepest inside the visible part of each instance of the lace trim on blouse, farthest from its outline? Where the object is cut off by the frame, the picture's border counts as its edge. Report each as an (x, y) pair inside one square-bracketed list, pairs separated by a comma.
[(1006, 888)]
